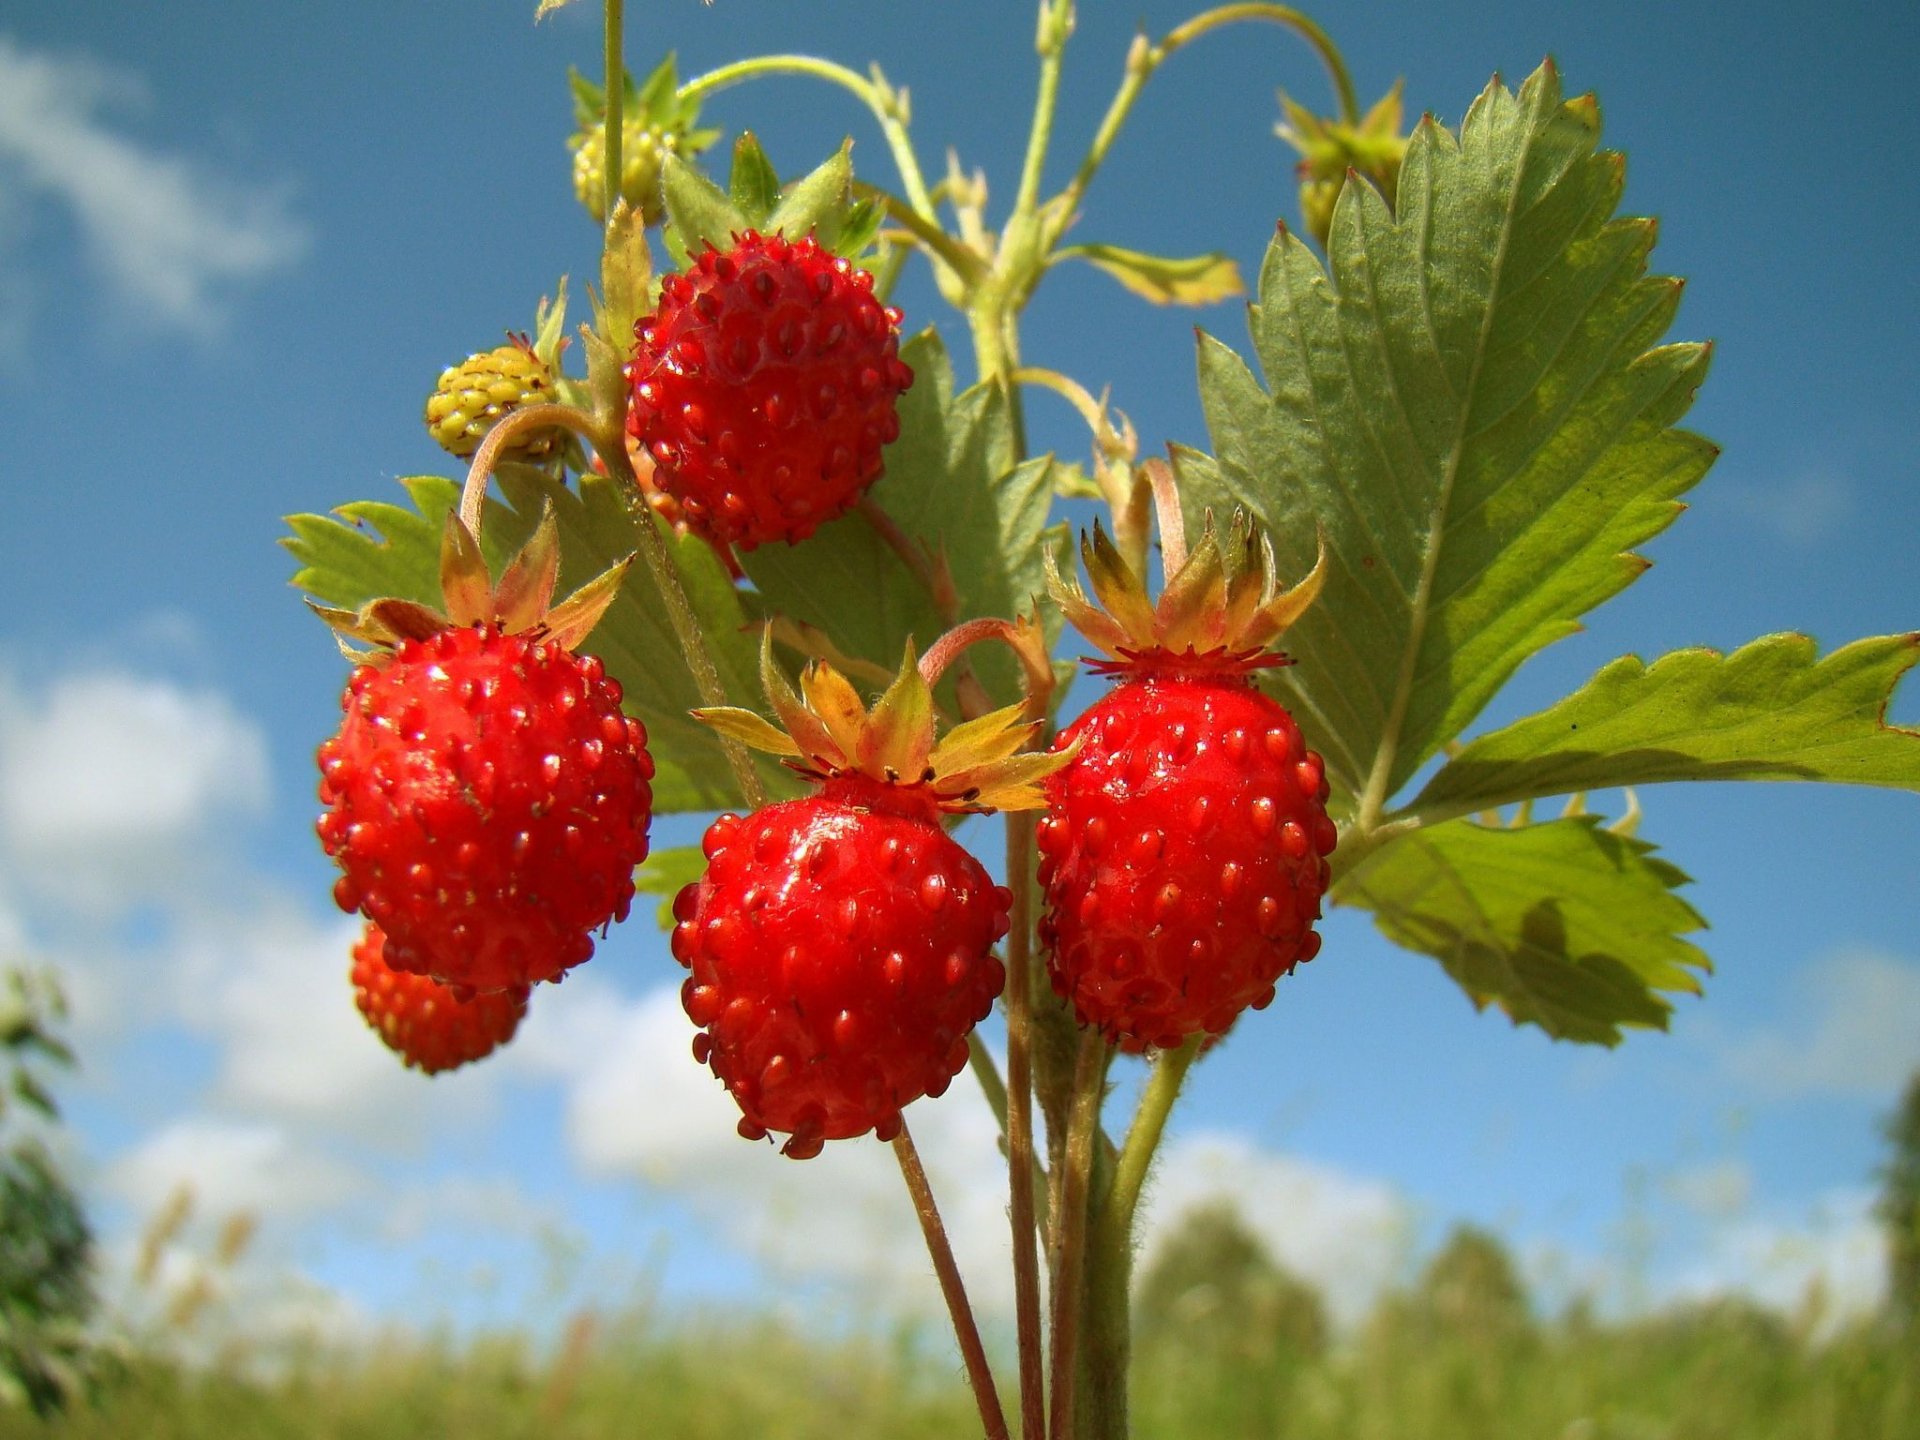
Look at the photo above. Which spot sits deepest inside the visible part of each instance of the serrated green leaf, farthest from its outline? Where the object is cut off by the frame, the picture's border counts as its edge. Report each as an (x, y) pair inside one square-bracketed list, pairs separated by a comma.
[(376, 549), (1475, 409), (1769, 711), (950, 482), (666, 873), (1190, 280), (699, 212), (754, 185), (1564, 925)]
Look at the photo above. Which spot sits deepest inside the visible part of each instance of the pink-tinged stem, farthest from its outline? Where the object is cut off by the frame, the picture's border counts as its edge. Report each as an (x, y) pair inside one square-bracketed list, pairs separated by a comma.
[(979, 1373), (1166, 508), (516, 423)]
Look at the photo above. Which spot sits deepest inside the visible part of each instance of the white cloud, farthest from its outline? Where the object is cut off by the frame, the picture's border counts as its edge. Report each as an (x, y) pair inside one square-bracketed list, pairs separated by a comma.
[(108, 782), (170, 236), (1350, 1237), (1832, 1259), (1857, 1031), (1716, 1190), (638, 1104), (231, 1168)]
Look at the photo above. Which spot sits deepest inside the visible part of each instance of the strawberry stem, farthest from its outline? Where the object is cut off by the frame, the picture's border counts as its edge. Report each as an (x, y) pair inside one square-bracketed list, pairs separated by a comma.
[(979, 1373), (1021, 1161), (473, 494), (616, 101), (1166, 507), (1072, 1223)]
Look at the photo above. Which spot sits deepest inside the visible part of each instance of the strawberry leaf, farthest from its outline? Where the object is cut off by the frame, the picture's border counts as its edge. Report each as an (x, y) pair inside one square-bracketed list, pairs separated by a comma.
[(1564, 925), (1769, 711), (368, 549), (666, 873), (1477, 411), (952, 487)]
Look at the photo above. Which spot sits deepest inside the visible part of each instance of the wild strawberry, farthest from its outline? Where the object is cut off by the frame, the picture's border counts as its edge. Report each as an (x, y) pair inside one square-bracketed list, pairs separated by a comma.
[(487, 798), (1184, 850), (841, 944), (764, 389), (476, 394), (424, 1022)]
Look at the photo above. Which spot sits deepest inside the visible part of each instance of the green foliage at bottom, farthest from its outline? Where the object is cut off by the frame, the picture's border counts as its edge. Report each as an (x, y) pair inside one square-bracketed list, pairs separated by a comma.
[(1720, 1372)]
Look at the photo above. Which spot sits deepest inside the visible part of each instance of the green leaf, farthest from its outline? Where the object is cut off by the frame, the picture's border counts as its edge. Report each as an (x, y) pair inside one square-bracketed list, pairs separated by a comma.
[(951, 484), (1564, 925), (1194, 280), (665, 873), (1475, 410), (1769, 711), (375, 549), (699, 212)]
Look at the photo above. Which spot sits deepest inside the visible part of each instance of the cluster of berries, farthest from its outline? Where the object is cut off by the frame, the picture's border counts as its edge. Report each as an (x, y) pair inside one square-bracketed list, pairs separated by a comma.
[(489, 799)]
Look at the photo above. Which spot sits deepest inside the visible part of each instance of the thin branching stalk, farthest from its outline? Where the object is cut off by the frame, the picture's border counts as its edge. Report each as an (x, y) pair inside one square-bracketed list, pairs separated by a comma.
[(511, 427), (979, 1373), (1021, 1160), (616, 67)]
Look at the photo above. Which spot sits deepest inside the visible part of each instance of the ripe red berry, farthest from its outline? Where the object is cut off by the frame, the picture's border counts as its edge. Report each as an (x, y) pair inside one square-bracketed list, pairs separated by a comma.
[(764, 387), (424, 1022), (488, 801), (841, 950), (1183, 856)]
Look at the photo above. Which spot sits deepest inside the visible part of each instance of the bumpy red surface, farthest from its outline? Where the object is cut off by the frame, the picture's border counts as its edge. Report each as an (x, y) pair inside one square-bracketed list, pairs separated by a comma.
[(764, 388), (841, 951), (423, 1021), (1183, 857), (487, 804)]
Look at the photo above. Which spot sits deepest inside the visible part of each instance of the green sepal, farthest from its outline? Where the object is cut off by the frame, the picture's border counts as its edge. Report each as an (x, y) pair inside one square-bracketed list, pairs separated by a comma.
[(1121, 592), (753, 185), (748, 728), (1192, 280), (699, 212), (525, 591), (837, 705), (466, 589), (816, 742), (899, 734), (1100, 628), (573, 619), (816, 204), (1192, 606)]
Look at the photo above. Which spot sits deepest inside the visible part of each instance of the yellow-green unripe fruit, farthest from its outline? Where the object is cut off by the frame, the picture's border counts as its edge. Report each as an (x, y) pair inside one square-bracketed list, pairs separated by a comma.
[(473, 396), (643, 150)]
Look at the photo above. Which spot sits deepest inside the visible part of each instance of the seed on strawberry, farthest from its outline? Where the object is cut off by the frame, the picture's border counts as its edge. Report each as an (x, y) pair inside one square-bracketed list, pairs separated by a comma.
[(427, 1024), (487, 798), (841, 944), (764, 389), (1183, 855)]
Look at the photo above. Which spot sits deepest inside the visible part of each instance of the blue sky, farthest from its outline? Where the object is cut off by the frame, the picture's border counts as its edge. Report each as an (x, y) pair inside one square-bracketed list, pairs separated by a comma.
[(237, 244)]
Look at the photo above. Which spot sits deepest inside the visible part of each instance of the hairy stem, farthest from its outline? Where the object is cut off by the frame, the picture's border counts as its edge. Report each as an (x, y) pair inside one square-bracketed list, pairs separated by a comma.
[(1055, 25), (511, 427), (1021, 1161), (1144, 58), (884, 110), (1071, 1224), (979, 1374), (616, 100)]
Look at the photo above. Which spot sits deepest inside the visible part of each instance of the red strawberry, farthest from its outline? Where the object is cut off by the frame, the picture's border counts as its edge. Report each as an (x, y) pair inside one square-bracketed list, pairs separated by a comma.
[(764, 388), (424, 1022), (1183, 853), (488, 800), (841, 944)]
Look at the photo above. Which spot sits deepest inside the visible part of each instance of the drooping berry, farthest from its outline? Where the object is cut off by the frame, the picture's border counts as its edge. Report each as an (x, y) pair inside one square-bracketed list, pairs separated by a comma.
[(841, 944), (764, 389), (424, 1022), (487, 797), (1183, 855), (475, 395)]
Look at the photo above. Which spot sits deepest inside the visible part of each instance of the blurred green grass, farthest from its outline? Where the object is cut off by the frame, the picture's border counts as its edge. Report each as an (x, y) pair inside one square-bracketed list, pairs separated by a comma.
[(1724, 1371)]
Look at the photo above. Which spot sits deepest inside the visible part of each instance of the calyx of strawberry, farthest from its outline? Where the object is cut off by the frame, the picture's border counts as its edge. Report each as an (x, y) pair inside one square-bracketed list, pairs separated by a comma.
[(1222, 606), (520, 602), (826, 734)]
